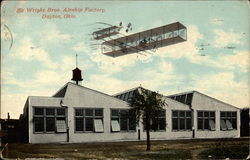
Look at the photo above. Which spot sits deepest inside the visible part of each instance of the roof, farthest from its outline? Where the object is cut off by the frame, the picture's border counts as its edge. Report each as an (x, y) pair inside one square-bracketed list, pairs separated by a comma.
[(128, 94), (63, 91), (194, 91)]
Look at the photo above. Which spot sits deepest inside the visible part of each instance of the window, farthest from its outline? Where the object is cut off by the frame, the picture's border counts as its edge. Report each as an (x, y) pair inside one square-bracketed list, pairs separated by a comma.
[(158, 123), (123, 120), (228, 120), (46, 120), (89, 120), (206, 120), (181, 120), (60, 126), (98, 125), (185, 98), (115, 126)]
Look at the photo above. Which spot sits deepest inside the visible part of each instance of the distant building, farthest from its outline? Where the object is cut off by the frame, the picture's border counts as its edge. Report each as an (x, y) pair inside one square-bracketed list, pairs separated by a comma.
[(79, 114), (245, 122), (9, 130)]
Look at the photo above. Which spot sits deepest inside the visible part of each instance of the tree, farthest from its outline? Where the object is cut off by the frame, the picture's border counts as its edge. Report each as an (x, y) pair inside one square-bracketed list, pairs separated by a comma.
[(147, 104)]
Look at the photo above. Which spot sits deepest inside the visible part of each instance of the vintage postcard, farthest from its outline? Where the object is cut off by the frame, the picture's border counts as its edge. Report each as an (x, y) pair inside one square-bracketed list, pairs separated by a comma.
[(70, 69)]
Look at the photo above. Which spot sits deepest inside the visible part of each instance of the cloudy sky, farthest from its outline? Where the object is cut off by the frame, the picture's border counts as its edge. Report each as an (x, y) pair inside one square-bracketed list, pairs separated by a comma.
[(38, 54)]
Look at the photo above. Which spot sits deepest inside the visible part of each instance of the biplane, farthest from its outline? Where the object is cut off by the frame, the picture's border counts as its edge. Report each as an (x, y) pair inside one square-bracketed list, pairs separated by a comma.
[(106, 32), (142, 41)]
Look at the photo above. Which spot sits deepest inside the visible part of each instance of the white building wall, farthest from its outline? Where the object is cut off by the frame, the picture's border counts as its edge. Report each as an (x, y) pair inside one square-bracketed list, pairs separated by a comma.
[(81, 97), (169, 133), (87, 98), (43, 137), (204, 103)]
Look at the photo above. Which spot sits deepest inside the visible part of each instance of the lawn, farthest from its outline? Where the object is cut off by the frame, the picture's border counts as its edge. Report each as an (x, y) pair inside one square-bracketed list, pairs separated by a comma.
[(178, 149)]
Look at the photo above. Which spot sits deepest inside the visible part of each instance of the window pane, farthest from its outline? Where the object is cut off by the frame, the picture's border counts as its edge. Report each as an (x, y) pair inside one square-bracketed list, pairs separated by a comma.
[(229, 124), (124, 126), (206, 123), (117, 119), (212, 114), (175, 113), (162, 113), (233, 114), (162, 124), (200, 123), (206, 114), (79, 112), (50, 124), (182, 114), (98, 112), (50, 111), (200, 114), (183, 97), (132, 124), (234, 123), (124, 113), (228, 114), (154, 125), (189, 98), (222, 114), (115, 126), (175, 123), (88, 112), (79, 124), (132, 120), (114, 112), (60, 118), (39, 124), (126, 96), (188, 114), (182, 123), (211, 125), (89, 124), (61, 126), (38, 111), (188, 123), (223, 125), (98, 125), (61, 112), (178, 98)]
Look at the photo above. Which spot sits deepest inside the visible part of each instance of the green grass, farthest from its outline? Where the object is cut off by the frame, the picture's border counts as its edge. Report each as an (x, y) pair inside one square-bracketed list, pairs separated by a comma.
[(179, 149), (232, 152)]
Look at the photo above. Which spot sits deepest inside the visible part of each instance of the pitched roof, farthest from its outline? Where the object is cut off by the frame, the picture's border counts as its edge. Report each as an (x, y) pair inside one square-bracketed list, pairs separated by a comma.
[(62, 92), (174, 96), (128, 94)]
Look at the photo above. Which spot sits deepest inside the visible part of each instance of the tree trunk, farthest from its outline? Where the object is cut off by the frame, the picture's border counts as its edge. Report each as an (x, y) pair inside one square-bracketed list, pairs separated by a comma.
[(148, 132)]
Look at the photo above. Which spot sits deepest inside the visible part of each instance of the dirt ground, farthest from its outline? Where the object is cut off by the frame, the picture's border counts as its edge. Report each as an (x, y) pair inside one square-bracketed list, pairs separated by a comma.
[(193, 149)]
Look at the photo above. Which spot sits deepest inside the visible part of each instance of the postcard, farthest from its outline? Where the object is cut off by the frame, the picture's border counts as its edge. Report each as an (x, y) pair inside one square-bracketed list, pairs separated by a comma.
[(175, 48)]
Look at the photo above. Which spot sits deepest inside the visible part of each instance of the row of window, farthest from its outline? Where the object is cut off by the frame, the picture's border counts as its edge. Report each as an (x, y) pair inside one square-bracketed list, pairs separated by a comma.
[(158, 123), (50, 120), (91, 120), (181, 120)]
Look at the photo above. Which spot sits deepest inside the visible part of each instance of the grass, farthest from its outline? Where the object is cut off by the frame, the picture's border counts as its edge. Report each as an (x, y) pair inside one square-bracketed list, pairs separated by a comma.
[(232, 152), (178, 149)]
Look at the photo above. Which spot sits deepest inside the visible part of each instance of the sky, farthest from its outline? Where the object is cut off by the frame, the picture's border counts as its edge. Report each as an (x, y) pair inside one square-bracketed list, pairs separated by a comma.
[(38, 52)]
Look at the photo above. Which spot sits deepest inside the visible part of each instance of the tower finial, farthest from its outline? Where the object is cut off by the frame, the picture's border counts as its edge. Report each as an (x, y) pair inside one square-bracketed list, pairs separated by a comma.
[(76, 60), (77, 73)]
